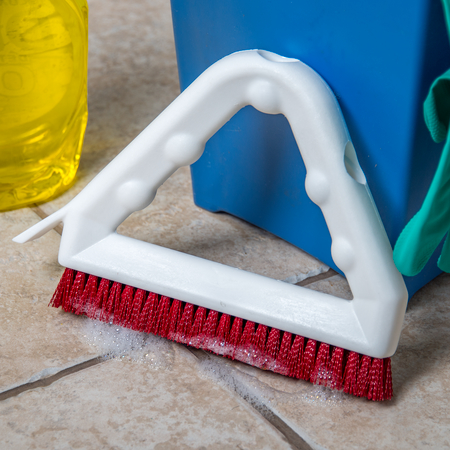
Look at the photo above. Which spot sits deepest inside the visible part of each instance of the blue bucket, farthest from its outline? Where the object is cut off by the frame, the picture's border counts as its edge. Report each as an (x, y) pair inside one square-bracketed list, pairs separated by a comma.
[(379, 58)]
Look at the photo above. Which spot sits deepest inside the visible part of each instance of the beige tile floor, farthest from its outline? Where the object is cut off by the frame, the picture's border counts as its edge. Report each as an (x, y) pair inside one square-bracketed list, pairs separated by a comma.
[(57, 392)]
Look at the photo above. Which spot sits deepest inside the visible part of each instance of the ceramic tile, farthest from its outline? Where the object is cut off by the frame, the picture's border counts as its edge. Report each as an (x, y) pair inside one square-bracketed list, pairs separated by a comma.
[(35, 340), (416, 418), (120, 404)]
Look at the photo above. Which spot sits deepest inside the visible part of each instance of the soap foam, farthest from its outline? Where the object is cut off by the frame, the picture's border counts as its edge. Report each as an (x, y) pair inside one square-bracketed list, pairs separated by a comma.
[(247, 384), (323, 395), (115, 342)]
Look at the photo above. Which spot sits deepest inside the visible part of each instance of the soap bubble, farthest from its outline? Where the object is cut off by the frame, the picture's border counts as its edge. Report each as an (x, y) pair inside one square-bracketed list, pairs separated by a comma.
[(115, 342)]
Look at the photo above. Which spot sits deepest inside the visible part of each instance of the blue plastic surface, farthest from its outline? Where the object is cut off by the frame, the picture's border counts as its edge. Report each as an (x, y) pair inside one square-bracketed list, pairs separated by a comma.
[(378, 57)]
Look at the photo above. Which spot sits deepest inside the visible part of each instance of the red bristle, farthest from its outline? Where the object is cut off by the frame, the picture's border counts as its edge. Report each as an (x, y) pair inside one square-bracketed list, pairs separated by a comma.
[(295, 357), (351, 373), (244, 350), (209, 330), (282, 363), (117, 303), (66, 300), (65, 284), (71, 303), (309, 357), (235, 335), (162, 323), (196, 333), (111, 304), (362, 384), (210, 325), (148, 315), (337, 367), (68, 277), (376, 386), (272, 348), (222, 346), (126, 306), (89, 294), (56, 299), (273, 343), (95, 309), (321, 373), (174, 319), (259, 346), (185, 324), (138, 304), (247, 334), (223, 329), (388, 390)]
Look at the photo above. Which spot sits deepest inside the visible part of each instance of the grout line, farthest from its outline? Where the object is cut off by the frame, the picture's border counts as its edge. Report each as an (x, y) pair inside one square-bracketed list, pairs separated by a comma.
[(292, 438), (321, 276), (42, 214), (44, 382), (295, 441)]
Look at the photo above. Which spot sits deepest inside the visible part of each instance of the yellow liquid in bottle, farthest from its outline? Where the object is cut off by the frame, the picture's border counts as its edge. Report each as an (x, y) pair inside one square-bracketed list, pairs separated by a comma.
[(43, 97)]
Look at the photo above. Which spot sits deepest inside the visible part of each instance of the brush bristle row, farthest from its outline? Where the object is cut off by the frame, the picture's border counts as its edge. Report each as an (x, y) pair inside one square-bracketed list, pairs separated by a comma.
[(255, 344)]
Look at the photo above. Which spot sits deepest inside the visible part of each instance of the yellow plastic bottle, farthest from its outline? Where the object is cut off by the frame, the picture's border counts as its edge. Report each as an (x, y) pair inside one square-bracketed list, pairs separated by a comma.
[(43, 97)]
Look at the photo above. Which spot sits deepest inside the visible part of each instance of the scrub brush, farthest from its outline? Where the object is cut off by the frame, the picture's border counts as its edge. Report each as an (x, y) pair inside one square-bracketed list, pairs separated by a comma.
[(342, 344)]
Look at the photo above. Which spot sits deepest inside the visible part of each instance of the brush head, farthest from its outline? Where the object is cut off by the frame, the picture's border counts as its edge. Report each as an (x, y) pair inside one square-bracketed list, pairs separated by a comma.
[(255, 344)]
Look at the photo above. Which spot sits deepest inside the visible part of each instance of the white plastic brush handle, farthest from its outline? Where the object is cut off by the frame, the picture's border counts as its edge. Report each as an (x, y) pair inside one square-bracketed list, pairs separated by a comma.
[(369, 324)]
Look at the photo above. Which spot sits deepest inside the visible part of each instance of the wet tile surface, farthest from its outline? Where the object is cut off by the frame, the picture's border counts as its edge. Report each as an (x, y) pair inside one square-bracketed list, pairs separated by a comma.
[(416, 418), (35, 340), (119, 404)]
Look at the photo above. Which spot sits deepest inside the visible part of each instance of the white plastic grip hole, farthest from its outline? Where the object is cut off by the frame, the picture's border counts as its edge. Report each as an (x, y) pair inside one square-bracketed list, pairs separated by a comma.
[(273, 57), (352, 165)]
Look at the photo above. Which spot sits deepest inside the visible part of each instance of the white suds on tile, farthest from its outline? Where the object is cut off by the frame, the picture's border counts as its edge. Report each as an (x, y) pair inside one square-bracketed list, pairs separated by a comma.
[(115, 342), (323, 395), (261, 394), (246, 386)]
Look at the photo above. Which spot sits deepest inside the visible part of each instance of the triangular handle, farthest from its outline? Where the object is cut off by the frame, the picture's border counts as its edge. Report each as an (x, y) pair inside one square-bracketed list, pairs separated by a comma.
[(369, 324)]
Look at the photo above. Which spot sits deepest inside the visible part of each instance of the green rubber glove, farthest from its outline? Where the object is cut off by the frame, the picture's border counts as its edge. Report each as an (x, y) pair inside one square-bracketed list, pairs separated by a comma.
[(426, 229)]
